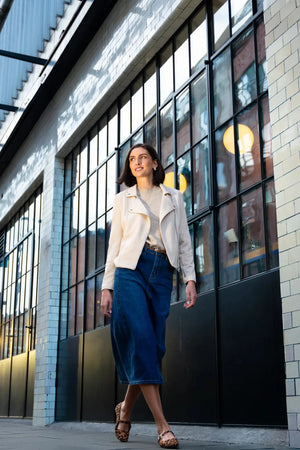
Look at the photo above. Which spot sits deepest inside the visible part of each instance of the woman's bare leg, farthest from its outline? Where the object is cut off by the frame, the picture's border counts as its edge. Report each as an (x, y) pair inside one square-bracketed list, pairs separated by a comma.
[(132, 393), (152, 397)]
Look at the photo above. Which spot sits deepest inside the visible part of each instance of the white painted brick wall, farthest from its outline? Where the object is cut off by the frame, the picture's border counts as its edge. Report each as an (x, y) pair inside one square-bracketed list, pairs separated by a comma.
[(283, 55)]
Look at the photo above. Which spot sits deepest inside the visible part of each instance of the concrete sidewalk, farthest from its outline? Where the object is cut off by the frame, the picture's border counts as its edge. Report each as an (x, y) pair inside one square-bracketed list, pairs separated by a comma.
[(20, 434)]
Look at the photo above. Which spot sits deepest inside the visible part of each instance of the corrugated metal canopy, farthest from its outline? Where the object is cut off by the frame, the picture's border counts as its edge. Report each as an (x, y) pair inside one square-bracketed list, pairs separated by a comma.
[(24, 30)]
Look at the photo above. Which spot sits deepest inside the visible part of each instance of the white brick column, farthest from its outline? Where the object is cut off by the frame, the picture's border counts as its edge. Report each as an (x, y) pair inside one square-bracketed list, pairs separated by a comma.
[(283, 63), (48, 293)]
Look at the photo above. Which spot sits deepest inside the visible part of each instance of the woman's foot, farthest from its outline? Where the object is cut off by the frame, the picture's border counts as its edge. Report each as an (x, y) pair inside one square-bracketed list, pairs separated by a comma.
[(167, 439), (122, 427)]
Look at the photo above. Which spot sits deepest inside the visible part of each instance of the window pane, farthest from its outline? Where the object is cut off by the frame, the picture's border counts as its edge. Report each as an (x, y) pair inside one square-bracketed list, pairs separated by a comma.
[(73, 262), (221, 22), (166, 73), (166, 134), (99, 314), (229, 262), (254, 252), (93, 150), (102, 140), (92, 198), (199, 108), (137, 137), (68, 173), (90, 304), (181, 57), (249, 148), (81, 256), (101, 190), (108, 225), (79, 308), (241, 10), (83, 160), (261, 57), (225, 160), (183, 122), (82, 206), (123, 153), (72, 304), (222, 88), (75, 167), (170, 177), (101, 241), (198, 40), (271, 225), (137, 103), (125, 116), (184, 181), (67, 219), (201, 179), (150, 90), (74, 225), (150, 132), (266, 136), (244, 70), (91, 245), (111, 185), (112, 130)]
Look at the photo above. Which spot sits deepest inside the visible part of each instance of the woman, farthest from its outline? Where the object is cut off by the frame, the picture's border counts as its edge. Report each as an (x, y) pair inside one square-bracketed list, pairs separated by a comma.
[(149, 238)]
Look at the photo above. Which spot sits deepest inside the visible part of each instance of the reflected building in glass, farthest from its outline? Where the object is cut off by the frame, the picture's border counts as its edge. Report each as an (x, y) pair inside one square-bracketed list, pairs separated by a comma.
[(195, 86)]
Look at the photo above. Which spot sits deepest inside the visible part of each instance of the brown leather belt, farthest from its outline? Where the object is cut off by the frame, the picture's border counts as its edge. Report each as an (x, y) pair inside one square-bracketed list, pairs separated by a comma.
[(155, 249)]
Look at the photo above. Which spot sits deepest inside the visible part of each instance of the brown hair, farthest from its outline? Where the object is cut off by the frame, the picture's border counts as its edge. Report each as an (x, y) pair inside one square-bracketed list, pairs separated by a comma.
[(130, 180)]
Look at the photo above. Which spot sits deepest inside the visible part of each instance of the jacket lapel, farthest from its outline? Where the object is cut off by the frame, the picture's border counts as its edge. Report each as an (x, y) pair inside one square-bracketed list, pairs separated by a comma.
[(135, 204), (167, 204)]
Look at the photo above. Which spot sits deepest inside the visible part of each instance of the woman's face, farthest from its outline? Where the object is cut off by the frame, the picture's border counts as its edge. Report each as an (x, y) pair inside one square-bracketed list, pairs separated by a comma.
[(141, 164)]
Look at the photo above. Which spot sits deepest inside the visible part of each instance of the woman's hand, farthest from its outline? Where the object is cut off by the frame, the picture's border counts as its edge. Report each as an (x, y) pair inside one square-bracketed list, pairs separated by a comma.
[(191, 294), (106, 302)]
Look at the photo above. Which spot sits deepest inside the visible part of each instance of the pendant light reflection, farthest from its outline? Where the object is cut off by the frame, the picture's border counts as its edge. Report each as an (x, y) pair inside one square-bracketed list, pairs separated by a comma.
[(245, 139), (169, 181)]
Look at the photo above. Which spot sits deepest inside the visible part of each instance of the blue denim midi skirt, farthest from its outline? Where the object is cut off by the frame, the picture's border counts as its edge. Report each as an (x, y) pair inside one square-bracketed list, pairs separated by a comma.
[(141, 304)]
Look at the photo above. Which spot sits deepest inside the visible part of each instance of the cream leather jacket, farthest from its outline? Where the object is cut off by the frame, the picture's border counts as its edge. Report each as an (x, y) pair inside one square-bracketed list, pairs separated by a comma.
[(130, 228)]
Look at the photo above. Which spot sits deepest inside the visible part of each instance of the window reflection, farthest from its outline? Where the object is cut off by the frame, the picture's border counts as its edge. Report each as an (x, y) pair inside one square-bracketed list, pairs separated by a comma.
[(198, 39), (137, 103), (150, 90), (92, 199), (261, 57), (181, 57), (241, 10), (83, 160), (111, 185), (244, 70), (249, 148), (102, 140), (266, 136), (225, 160), (229, 261), (79, 308), (101, 241), (82, 207), (166, 134), (201, 178), (81, 256), (99, 314), (125, 116), (199, 108), (90, 304), (253, 248), (150, 132), (91, 245), (183, 122), (184, 181), (93, 149), (101, 190), (272, 225), (204, 254), (112, 129), (222, 88), (221, 22), (166, 73)]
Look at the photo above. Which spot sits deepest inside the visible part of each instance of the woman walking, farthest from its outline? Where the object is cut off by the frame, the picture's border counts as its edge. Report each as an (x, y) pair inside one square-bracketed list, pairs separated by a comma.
[(149, 238)]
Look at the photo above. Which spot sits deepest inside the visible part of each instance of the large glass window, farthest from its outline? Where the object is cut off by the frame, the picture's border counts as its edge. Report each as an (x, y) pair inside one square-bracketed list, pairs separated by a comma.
[(19, 267), (202, 101)]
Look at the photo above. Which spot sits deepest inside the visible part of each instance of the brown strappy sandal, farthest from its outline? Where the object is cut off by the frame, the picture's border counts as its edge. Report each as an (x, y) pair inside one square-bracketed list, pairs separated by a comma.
[(169, 443), (122, 435)]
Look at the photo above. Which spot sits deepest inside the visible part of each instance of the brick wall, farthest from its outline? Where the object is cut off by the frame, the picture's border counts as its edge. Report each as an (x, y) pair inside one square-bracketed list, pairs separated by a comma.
[(283, 62)]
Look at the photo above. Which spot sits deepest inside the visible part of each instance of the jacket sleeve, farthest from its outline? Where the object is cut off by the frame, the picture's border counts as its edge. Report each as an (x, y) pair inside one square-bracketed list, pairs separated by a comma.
[(186, 258), (113, 246)]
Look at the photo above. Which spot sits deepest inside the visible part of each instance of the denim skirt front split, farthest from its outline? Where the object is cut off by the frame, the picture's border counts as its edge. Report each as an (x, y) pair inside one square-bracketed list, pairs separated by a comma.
[(141, 304)]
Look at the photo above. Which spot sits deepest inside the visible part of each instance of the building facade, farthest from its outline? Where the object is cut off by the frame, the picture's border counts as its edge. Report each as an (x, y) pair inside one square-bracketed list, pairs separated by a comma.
[(213, 85)]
